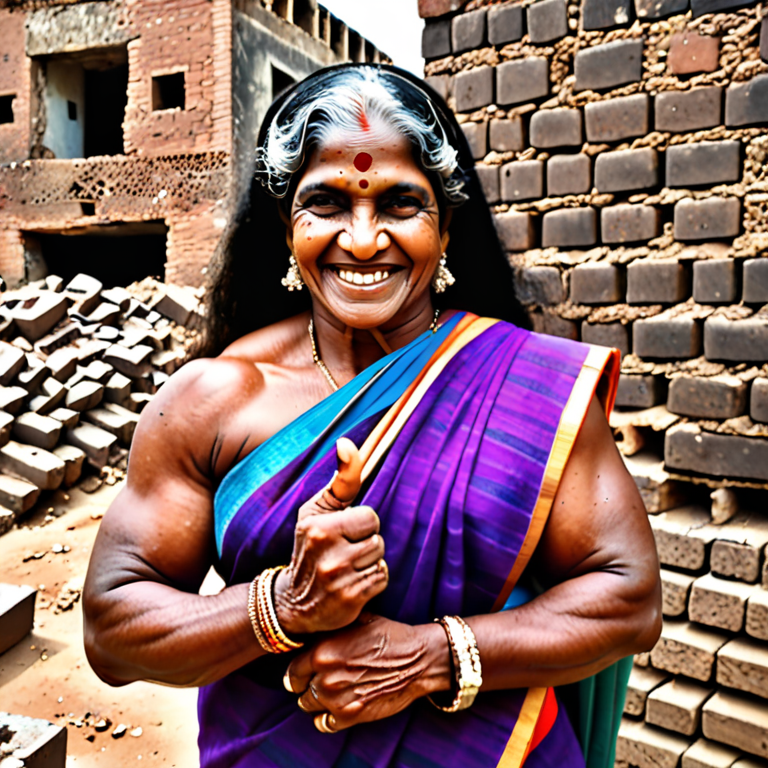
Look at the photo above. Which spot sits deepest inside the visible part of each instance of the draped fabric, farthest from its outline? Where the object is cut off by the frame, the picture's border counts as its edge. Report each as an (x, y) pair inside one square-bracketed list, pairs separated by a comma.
[(468, 430)]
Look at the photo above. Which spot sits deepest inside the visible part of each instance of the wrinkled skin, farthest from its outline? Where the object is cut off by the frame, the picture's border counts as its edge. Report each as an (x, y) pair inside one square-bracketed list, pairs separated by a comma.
[(144, 618)]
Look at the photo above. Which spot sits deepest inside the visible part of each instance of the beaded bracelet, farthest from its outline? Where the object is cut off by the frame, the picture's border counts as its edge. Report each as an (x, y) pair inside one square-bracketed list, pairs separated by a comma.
[(263, 616), (466, 663)]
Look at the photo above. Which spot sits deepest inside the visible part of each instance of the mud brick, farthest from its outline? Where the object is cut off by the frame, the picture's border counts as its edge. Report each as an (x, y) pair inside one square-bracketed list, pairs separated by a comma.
[(626, 223), (133, 362), (522, 180), (12, 361), (708, 754), (737, 340), (687, 649), (12, 398), (700, 7), (637, 391), (6, 427), (431, 8), (34, 429), (60, 338), (547, 20), (707, 219), (85, 395), (711, 162), (33, 743), (569, 175), (764, 39), (737, 553), (115, 423), (51, 393), (522, 80), (436, 39), (675, 588), (601, 14), (477, 138), (626, 169), (756, 621), (642, 746), (468, 31), (138, 400), (105, 313), (743, 664), (711, 397), (88, 350), (755, 281), (718, 602), (62, 363), (132, 335), (32, 377), (36, 316), (609, 65), (597, 283), (7, 519), (507, 135), (658, 491), (65, 416), (73, 459), (98, 370), (690, 52), (440, 83), (505, 24), (560, 127), (117, 389), (758, 400), (36, 465), (614, 119), (554, 325), (683, 537), (17, 495), (106, 333), (17, 616), (474, 89), (737, 721), (539, 285), (676, 338), (607, 335), (515, 230), (94, 441), (748, 763), (54, 283), (714, 281), (488, 176), (118, 296), (641, 683), (570, 227), (655, 9), (84, 292), (677, 705), (683, 111)]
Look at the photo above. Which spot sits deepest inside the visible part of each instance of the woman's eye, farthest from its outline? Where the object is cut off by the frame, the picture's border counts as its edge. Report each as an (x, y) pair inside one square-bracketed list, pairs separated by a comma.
[(323, 203), (404, 203)]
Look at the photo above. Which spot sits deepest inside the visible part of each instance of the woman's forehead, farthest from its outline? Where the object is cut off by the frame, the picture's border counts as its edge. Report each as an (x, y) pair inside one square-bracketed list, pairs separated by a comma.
[(378, 141)]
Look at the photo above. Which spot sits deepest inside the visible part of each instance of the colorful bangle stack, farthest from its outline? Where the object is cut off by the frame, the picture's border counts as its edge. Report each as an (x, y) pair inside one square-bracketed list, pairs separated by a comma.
[(263, 616), (466, 663)]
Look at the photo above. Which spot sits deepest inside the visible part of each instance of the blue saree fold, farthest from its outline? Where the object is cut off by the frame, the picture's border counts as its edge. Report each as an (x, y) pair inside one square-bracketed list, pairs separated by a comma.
[(482, 416)]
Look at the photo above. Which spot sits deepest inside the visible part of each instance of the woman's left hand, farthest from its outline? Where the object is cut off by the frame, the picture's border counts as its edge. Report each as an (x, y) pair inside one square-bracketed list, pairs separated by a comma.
[(370, 671)]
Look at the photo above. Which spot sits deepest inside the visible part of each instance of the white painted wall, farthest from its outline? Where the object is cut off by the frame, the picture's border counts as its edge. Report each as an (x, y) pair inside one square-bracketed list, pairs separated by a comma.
[(65, 82)]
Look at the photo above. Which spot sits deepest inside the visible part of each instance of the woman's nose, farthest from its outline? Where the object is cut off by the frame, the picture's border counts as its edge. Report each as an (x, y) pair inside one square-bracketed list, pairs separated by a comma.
[(364, 239)]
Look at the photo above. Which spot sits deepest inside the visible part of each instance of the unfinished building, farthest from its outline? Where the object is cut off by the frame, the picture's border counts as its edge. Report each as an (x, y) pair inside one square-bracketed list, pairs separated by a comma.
[(127, 125)]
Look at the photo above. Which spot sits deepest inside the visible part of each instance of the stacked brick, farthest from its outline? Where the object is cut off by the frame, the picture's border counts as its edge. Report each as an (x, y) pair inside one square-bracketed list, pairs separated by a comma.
[(78, 363), (622, 146)]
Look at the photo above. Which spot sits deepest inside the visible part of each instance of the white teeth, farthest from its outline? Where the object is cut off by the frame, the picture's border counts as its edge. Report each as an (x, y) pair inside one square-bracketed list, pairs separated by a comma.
[(384, 275), (359, 278), (377, 277), (368, 279)]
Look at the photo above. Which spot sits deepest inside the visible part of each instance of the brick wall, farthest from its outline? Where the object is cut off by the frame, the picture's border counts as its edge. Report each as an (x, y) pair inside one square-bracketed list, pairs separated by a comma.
[(622, 146), (14, 80)]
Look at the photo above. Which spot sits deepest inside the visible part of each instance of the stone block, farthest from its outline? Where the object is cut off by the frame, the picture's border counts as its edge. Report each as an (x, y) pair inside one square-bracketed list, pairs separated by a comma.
[(547, 20), (737, 721), (676, 706), (58, 339), (736, 340), (559, 127), (758, 400), (138, 400), (615, 119), (65, 416), (597, 283), (718, 602), (626, 169), (507, 135), (17, 495), (468, 31), (73, 459), (569, 175), (675, 588), (7, 519), (505, 24), (105, 313), (117, 389), (117, 295), (35, 316), (743, 664), (684, 111), (658, 492), (755, 281), (712, 397), (711, 162), (515, 230), (17, 615), (700, 7), (488, 176), (638, 391), (33, 743), (522, 180), (601, 14), (12, 362), (6, 426), (613, 335), (443, 84), (98, 370), (476, 135), (655, 9), (431, 8), (715, 281), (554, 325), (708, 219), (522, 80), (12, 398), (33, 376), (684, 537), (117, 424), (84, 396), (36, 465), (641, 682), (690, 52), (133, 362), (756, 620), (84, 292), (642, 746), (570, 227), (50, 394), (54, 282), (436, 39), (764, 39), (474, 89), (34, 429), (708, 754), (667, 337), (687, 649), (94, 441), (608, 65), (626, 223), (62, 363), (539, 285), (738, 552)]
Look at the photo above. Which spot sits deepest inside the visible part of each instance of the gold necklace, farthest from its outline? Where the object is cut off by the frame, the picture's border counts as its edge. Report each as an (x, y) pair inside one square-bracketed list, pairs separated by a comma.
[(324, 368)]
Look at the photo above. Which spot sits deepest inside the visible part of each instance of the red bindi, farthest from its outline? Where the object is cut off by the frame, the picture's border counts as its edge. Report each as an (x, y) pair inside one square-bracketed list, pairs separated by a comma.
[(363, 162), (363, 184)]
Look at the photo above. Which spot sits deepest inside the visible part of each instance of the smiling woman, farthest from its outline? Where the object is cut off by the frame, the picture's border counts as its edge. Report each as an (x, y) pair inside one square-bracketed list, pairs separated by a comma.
[(379, 475)]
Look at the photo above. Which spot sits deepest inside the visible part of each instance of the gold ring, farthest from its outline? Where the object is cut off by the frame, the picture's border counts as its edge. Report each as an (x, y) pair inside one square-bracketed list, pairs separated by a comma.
[(384, 567), (325, 722), (302, 705), (287, 682)]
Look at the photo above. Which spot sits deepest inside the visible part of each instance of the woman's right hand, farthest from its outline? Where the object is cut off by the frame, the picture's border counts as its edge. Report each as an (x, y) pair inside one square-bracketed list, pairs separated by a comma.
[(337, 564)]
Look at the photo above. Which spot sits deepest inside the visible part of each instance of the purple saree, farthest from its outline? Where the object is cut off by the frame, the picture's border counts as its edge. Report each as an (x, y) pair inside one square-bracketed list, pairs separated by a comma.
[(470, 429)]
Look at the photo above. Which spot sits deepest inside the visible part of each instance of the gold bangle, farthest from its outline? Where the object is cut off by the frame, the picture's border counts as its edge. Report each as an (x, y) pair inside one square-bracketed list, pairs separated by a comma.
[(253, 615), (466, 663), (268, 622)]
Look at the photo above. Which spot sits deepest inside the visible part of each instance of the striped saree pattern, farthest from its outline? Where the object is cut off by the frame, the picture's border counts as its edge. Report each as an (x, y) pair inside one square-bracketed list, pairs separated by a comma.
[(466, 432)]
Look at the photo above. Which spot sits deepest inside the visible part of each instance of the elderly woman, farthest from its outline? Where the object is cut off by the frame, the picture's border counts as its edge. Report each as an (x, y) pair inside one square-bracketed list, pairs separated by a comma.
[(419, 513)]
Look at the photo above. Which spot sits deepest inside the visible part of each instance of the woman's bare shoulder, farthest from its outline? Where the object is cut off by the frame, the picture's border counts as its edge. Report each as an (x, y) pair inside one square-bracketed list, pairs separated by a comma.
[(279, 344)]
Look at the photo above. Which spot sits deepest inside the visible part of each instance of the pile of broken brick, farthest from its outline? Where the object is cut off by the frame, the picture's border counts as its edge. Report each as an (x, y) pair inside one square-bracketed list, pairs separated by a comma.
[(78, 363)]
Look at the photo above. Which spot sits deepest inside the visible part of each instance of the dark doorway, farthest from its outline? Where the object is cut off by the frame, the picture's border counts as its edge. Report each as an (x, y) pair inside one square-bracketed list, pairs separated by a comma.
[(6, 108), (106, 96)]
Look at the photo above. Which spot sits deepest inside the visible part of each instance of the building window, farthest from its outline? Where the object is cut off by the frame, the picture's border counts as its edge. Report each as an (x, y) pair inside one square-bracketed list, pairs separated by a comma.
[(6, 108), (71, 110), (283, 8), (168, 92), (280, 81)]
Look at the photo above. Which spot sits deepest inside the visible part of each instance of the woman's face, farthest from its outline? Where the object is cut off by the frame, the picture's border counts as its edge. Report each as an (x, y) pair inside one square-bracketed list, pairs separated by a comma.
[(364, 229)]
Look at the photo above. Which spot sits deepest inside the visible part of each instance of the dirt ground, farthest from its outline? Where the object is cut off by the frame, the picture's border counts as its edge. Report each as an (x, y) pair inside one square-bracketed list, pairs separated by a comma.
[(46, 675)]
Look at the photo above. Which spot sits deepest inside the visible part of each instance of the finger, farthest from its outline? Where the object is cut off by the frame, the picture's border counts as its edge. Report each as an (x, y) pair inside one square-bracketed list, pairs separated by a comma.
[(346, 717), (300, 671), (308, 702), (372, 581), (347, 481), (366, 553), (357, 523)]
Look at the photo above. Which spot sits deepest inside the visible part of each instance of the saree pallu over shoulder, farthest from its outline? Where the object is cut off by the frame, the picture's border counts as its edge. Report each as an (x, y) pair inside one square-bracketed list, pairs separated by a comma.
[(466, 433)]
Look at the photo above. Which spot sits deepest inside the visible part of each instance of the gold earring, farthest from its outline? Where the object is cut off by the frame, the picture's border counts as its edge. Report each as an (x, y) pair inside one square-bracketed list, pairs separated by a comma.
[(443, 277), (292, 280)]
